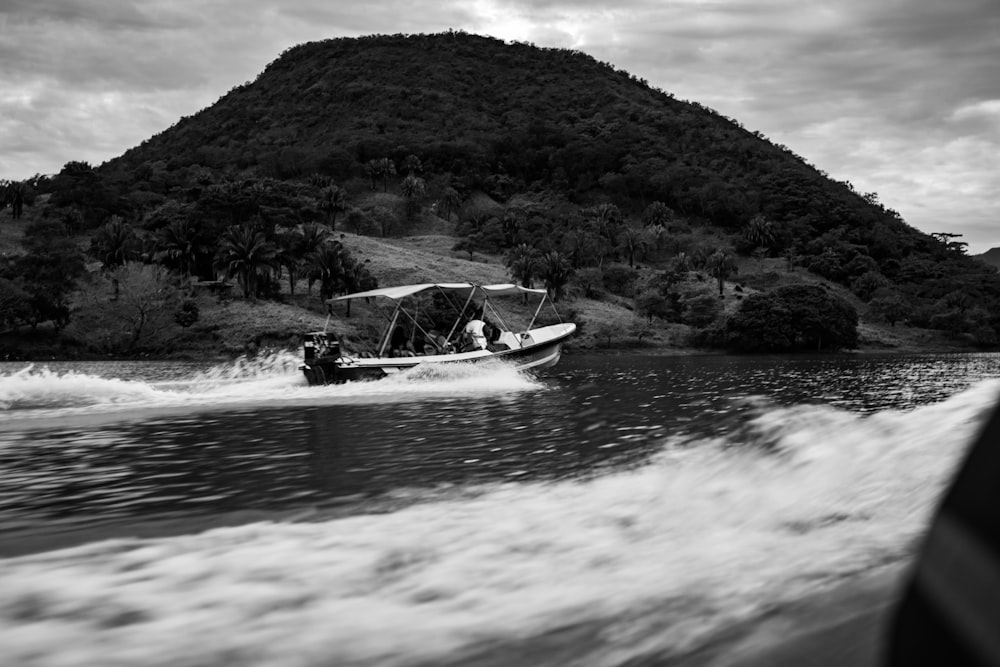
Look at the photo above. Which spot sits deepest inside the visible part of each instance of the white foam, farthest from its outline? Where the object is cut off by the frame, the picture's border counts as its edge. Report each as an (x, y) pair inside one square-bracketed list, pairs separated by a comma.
[(33, 393), (708, 533)]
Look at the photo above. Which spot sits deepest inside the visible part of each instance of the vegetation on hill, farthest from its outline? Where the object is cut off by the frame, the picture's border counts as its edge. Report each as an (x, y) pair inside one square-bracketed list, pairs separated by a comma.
[(564, 170)]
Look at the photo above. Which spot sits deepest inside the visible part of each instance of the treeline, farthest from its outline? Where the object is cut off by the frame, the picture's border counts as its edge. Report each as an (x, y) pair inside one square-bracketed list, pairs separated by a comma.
[(255, 231)]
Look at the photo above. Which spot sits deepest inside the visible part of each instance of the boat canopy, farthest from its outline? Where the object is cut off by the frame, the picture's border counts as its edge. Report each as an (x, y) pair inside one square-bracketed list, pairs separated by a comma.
[(464, 289)]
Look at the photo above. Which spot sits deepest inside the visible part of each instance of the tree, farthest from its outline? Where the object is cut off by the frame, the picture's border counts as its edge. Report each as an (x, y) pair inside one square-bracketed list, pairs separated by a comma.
[(114, 243), (760, 233), (620, 279), (721, 265), (179, 244), (657, 214), (383, 218), (589, 279), (652, 303), (867, 284), (386, 168), (332, 200), (330, 263), (607, 331), (49, 271), (356, 277), (640, 328), (413, 189), (15, 304), (791, 318), (145, 305), (634, 244), (949, 243), (314, 235), (187, 313), (555, 271), (451, 200), (412, 165), (523, 263), (14, 194), (247, 254), (699, 310), (890, 305), (609, 220), (582, 248), (290, 253), (373, 168)]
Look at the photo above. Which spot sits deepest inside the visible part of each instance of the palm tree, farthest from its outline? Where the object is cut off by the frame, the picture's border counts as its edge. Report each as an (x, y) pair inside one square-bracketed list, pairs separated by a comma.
[(451, 200), (386, 168), (247, 254), (329, 265), (580, 246), (372, 170), (511, 225), (289, 242), (413, 189), (721, 265), (609, 219), (357, 278), (556, 272), (760, 232), (114, 243), (657, 214), (333, 200), (412, 165), (178, 243), (522, 262), (634, 244), (313, 236)]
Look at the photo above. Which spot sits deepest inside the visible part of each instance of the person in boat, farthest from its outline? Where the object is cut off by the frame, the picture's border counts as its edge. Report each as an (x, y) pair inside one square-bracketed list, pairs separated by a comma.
[(436, 343), (400, 344), (475, 336), (441, 343)]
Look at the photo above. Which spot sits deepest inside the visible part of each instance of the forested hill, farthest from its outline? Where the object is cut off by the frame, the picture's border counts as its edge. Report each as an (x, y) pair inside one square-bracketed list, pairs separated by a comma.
[(514, 115), (571, 170)]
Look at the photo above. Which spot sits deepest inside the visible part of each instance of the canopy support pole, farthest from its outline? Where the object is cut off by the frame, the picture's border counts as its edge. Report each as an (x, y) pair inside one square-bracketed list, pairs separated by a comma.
[(460, 313), (537, 310), (388, 332)]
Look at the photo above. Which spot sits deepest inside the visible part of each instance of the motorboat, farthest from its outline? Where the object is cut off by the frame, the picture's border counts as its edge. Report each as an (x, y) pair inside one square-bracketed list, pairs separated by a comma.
[(440, 323)]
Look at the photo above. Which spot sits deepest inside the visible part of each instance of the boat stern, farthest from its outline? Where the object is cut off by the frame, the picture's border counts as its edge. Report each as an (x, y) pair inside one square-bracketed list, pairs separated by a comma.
[(320, 358)]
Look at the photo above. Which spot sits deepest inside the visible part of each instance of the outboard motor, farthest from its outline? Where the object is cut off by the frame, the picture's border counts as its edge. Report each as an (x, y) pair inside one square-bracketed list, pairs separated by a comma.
[(319, 344), (320, 353)]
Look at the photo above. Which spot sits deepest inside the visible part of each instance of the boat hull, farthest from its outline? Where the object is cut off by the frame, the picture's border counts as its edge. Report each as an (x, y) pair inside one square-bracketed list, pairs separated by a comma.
[(542, 348)]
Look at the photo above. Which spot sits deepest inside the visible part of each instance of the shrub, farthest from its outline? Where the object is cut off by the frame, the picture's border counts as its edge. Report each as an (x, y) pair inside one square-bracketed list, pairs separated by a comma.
[(620, 279), (187, 313), (791, 318)]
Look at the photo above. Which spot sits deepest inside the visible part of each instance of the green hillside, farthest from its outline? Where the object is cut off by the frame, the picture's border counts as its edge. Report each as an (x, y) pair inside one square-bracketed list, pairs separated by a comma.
[(554, 167)]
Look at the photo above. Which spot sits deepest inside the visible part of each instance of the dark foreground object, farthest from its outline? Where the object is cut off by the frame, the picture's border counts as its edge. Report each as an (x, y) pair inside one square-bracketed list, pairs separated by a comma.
[(950, 614)]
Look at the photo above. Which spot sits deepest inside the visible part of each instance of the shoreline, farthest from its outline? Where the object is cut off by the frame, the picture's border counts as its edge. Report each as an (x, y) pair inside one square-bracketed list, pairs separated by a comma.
[(651, 350)]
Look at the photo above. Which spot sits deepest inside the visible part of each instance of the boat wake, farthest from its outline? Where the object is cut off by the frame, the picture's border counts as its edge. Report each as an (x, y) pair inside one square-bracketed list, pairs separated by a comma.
[(654, 560), (41, 391)]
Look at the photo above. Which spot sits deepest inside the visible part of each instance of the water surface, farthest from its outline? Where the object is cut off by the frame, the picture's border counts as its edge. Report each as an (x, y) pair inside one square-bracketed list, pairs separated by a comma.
[(655, 500)]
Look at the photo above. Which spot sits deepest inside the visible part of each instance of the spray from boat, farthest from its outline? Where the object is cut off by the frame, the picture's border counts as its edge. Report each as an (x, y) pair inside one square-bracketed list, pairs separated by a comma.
[(55, 390)]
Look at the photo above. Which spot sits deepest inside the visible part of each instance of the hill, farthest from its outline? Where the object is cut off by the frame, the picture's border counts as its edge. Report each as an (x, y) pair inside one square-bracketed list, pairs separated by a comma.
[(991, 257), (557, 168)]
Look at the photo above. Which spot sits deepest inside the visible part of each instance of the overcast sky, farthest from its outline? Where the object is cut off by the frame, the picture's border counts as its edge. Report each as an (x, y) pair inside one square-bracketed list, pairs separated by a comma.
[(899, 97)]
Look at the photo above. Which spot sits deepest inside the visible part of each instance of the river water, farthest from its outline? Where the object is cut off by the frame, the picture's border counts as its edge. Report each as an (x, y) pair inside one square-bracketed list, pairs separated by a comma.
[(421, 519)]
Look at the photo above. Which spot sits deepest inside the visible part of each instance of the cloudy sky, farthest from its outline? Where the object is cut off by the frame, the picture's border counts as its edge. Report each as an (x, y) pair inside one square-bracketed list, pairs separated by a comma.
[(899, 97)]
